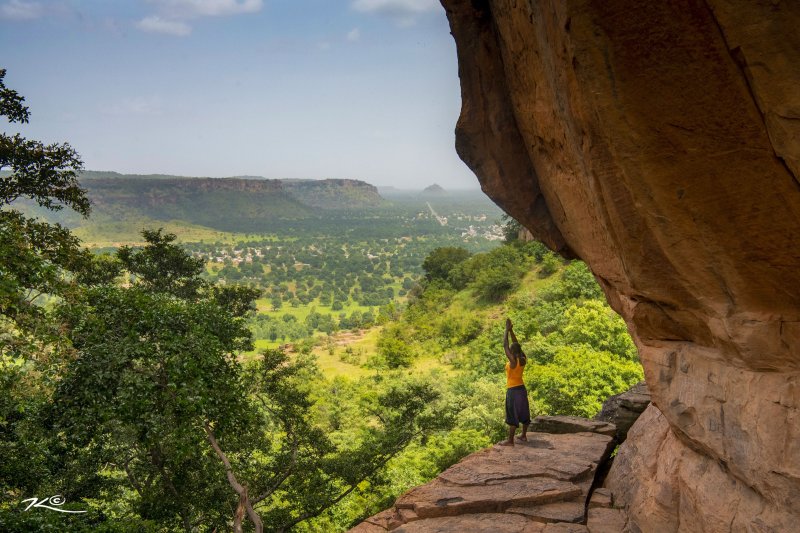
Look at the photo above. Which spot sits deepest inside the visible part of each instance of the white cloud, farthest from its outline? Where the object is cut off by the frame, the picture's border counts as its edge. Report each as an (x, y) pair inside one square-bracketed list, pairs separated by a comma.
[(398, 9), (19, 10), (156, 24), (173, 14), (182, 9), (354, 35)]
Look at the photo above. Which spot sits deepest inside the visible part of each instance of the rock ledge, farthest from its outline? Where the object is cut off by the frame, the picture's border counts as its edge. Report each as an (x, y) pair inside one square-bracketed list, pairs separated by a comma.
[(542, 485)]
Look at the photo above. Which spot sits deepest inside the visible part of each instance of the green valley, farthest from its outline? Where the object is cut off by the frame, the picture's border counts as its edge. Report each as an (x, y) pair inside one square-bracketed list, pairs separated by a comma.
[(379, 314)]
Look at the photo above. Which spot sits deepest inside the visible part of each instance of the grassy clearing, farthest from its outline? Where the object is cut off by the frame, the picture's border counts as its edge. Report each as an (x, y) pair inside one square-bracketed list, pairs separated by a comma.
[(332, 356), (264, 306), (113, 233)]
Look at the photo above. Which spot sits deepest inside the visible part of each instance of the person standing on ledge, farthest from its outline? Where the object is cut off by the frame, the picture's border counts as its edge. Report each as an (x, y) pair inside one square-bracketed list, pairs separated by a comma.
[(517, 409)]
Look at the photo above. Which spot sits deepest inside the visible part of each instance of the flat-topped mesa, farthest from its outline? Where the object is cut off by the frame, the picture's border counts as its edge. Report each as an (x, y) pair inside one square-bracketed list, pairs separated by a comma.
[(660, 143)]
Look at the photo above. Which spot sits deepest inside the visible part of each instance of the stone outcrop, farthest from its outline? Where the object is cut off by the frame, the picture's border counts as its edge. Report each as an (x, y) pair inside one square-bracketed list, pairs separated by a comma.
[(624, 409), (660, 143), (542, 485)]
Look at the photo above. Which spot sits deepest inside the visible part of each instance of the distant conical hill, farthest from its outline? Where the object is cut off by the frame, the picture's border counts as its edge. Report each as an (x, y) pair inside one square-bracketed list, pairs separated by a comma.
[(434, 189)]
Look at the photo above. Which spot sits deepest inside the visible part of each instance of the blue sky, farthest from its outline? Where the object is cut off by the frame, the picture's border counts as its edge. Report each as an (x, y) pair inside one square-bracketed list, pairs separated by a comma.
[(364, 89)]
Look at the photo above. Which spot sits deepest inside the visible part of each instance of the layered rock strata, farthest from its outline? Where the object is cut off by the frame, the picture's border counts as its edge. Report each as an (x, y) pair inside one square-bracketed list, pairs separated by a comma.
[(659, 142), (542, 485)]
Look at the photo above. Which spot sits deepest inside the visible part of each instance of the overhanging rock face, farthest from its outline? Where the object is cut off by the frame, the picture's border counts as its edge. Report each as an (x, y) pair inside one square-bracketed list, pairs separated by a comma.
[(660, 143)]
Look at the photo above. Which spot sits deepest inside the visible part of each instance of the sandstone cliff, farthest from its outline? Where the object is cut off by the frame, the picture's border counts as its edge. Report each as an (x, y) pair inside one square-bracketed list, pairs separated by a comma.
[(660, 143)]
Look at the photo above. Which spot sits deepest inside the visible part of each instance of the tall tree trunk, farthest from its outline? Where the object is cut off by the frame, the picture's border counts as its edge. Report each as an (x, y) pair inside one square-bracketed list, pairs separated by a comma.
[(241, 490)]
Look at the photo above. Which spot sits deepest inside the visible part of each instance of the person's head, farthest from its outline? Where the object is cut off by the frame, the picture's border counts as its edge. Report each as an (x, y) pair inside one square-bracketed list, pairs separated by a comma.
[(516, 351)]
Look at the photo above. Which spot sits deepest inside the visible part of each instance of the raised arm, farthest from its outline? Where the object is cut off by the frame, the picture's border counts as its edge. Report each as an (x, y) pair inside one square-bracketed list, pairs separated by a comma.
[(511, 359), (514, 339)]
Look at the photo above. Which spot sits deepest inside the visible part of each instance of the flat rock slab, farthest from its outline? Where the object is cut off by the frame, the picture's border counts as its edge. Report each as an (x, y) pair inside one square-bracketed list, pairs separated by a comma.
[(439, 498), (572, 424), (565, 528), (566, 457), (367, 527), (549, 468), (571, 511), (484, 522), (538, 486)]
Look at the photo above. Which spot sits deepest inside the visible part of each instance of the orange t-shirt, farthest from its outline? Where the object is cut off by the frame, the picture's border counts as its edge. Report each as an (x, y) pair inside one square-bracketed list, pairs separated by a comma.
[(514, 375)]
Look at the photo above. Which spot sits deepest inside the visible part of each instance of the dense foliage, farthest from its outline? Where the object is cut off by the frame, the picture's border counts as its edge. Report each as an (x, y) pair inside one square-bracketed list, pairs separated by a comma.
[(152, 407)]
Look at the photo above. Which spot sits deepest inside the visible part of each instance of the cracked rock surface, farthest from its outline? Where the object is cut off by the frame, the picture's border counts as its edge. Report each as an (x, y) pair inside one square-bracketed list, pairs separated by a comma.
[(541, 485)]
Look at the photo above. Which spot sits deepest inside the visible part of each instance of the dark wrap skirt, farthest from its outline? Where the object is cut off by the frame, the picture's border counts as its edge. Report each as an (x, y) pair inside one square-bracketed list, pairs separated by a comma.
[(517, 409)]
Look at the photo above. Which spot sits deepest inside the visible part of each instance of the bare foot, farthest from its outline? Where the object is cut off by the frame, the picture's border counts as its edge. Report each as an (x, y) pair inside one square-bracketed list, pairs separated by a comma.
[(507, 443), (523, 439)]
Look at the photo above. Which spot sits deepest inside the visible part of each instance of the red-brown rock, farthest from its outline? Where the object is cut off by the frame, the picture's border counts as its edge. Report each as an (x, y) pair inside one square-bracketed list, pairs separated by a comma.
[(660, 142), (544, 480), (572, 424), (604, 520), (494, 522)]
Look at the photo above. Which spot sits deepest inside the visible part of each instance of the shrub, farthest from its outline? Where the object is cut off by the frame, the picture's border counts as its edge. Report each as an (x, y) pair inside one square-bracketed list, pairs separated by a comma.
[(577, 281), (394, 351), (441, 261), (549, 265)]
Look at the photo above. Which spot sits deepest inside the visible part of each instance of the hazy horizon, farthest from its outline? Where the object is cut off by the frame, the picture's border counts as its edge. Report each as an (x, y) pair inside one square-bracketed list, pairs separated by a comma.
[(312, 89)]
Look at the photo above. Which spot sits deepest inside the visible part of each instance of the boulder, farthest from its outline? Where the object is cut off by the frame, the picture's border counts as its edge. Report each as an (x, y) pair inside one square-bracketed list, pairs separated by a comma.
[(624, 409), (378, 523)]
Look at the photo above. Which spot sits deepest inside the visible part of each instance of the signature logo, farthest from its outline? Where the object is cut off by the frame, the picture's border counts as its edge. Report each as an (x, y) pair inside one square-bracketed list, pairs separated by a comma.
[(46, 503)]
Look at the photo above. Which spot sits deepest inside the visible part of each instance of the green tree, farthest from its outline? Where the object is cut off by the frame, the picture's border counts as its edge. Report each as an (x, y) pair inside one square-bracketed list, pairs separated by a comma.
[(37, 260), (441, 261), (511, 228), (37, 256), (162, 266), (577, 281), (594, 323), (549, 265), (578, 379), (394, 350), (493, 284)]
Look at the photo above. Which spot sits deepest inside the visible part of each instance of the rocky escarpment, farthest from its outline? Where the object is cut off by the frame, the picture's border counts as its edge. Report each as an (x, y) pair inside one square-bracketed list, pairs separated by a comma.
[(153, 192), (225, 204), (660, 143)]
